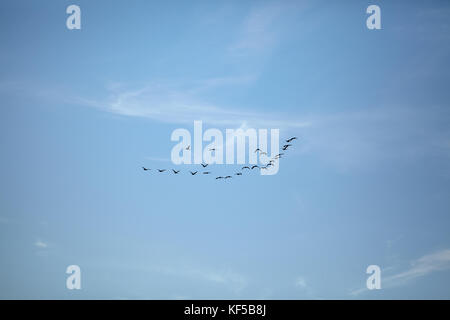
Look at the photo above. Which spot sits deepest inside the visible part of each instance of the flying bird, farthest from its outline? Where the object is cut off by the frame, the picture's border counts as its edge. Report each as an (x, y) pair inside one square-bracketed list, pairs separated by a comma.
[(290, 139), (219, 178), (228, 177), (212, 149), (238, 173), (206, 172), (188, 147), (286, 146), (175, 171), (193, 173), (246, 167), (145, 169), (161, 170), (204, 165), (255, 166), (279, 155)]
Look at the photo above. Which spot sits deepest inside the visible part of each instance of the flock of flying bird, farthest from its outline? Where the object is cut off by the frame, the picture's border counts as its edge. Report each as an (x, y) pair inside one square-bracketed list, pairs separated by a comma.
[(261, 152)]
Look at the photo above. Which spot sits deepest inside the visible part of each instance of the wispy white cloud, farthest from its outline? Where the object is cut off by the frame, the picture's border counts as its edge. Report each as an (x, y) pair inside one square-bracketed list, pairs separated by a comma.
[(425, 265), (303, 288), (41, 244), (224, 279), (348, 140), (171, 104), (234, 281), (300, 282), (256, 32), (261, 30), (358, 139)]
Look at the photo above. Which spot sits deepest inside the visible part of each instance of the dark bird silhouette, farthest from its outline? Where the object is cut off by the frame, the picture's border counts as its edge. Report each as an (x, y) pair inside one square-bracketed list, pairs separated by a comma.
[(255, 166), (290, 139), (286, 146), (257, 150), (212, 149), (206, 172), (219, 178), (228, 177), (279, 155), (145, 169), (204, 165), (246, 167), (238, 173), (193, 173), (188, 147), (161, 170), (175, 171)]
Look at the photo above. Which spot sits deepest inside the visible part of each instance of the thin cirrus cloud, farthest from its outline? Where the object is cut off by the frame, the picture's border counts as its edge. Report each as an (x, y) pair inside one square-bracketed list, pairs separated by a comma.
[(40, 244), (348, 139), (263, 28), (300, 282), (226, 278), (357, 139), (169, 104), (421, 267), (166, 102), (223, 278), (256, 32)]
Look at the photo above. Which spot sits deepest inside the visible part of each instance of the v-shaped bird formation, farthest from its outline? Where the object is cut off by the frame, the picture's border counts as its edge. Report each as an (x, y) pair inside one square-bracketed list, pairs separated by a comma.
[(250, 168)]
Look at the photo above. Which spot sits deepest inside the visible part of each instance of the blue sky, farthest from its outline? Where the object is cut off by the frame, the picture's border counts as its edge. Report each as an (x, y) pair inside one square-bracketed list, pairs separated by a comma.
[(367, 183)]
